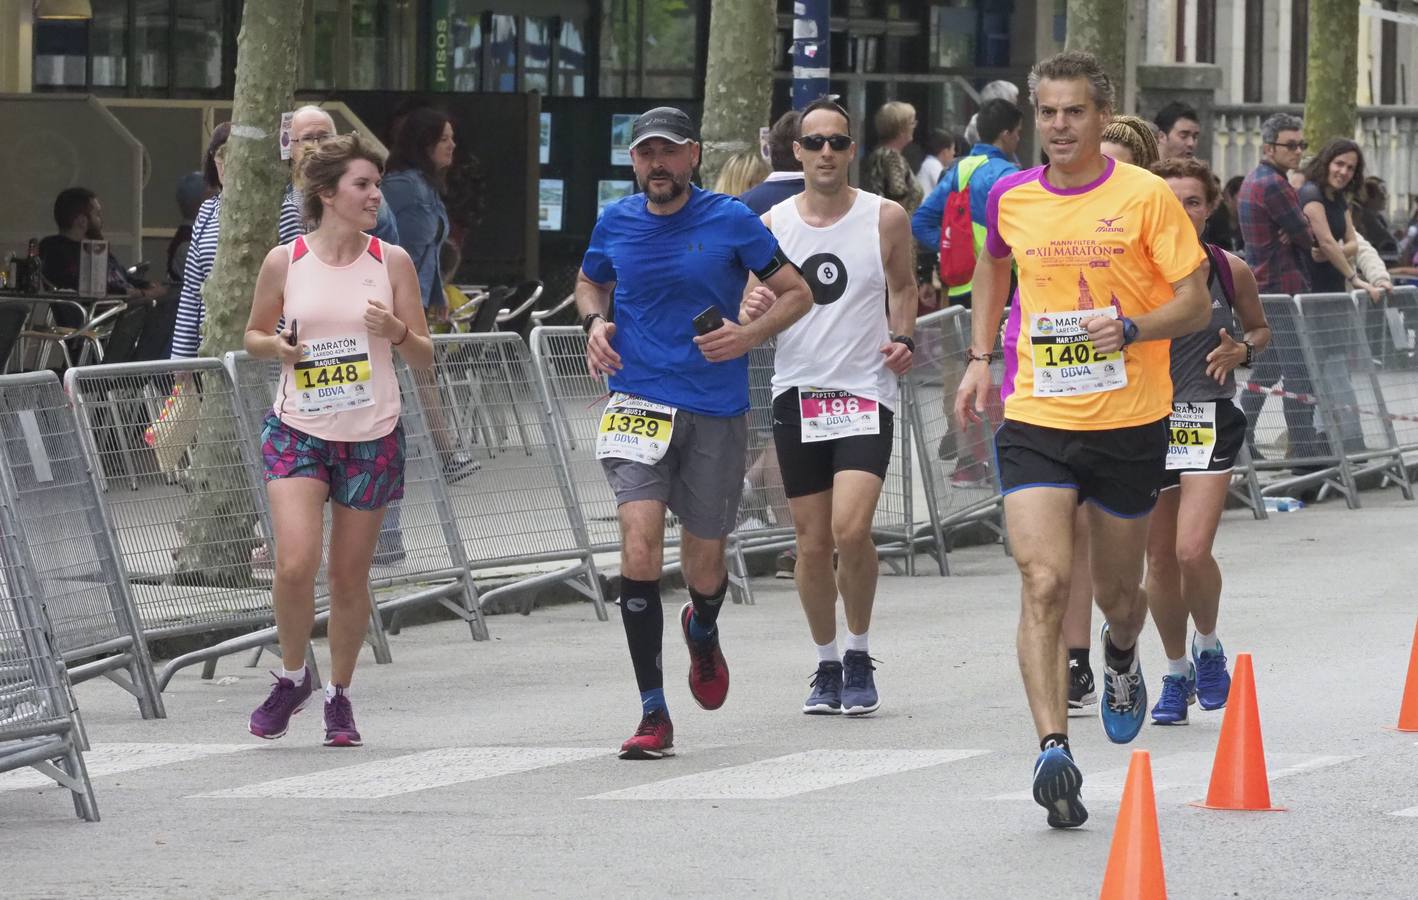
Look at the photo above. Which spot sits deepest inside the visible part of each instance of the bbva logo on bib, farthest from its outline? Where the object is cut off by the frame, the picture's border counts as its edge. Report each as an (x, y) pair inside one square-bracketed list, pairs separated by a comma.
[(827, 276)]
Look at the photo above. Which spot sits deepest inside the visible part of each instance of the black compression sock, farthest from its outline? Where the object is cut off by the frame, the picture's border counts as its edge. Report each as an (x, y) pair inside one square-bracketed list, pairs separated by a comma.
[(644, 619), (1079, 657), (1118, 660), (706, 607), (1054, 740)]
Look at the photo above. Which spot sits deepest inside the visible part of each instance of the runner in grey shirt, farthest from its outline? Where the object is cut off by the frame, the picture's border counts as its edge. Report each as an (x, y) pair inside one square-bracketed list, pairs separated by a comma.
[(1207, 431)]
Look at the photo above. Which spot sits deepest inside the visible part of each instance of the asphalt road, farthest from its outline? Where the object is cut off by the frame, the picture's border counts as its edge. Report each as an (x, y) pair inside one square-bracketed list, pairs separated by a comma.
[(489, 769)]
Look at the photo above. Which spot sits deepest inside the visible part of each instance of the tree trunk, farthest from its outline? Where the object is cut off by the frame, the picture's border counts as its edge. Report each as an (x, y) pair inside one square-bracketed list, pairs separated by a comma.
[(1332, 76), (219, 530), (1101, 28), (738, 81)]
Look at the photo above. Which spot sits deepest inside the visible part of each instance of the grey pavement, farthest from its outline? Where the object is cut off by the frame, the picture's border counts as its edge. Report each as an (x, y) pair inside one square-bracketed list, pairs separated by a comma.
[(489, 769)]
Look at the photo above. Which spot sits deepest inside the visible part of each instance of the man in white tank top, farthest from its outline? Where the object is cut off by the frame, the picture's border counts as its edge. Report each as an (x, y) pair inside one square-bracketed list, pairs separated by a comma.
[(835, 393)]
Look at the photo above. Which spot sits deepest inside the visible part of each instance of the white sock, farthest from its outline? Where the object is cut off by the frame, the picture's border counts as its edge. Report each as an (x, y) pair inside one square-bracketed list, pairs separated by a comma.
[(298, 676), (857, 641), (1181, 667), (828, 652), (330, 688), (1204, 642)]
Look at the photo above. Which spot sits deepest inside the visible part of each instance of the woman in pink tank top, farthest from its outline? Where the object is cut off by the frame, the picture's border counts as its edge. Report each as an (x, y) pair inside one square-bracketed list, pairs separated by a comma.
[(348, 301)]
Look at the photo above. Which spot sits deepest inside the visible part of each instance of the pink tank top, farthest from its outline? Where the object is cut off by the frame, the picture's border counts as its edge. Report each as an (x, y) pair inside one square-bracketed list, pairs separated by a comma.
[(344, 388)]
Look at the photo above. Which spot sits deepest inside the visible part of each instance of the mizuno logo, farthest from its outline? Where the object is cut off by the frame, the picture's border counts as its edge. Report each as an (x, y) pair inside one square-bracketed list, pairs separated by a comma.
[(1109, 226)]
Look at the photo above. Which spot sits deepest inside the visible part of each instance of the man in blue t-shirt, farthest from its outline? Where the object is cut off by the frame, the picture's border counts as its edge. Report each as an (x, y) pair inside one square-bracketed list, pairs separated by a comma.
[(675, 432)]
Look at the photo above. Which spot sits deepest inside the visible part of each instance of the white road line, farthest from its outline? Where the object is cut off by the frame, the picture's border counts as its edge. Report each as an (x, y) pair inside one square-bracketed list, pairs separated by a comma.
[(787, 776), (407, 774), (1189, 772), (1410, 812), (113, 759)]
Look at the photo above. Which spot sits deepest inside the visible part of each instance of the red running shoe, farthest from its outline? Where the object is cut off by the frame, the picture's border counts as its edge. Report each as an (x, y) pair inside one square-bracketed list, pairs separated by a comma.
[(653, 739), (708, 673)]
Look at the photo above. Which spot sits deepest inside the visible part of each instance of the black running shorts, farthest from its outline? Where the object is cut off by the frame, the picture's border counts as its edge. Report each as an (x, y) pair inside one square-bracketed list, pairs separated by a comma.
[(809, 468), (1230, 436), (1119, 470)]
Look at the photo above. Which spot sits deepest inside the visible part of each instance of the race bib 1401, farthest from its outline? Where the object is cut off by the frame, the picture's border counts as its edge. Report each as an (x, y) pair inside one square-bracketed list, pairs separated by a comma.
[(1065, 362), (1191, 436)]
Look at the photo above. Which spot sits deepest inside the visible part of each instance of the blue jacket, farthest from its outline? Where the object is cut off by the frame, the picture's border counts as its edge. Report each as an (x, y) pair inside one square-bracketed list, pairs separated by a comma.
[(768, 194), (422, 220), (925, 224)]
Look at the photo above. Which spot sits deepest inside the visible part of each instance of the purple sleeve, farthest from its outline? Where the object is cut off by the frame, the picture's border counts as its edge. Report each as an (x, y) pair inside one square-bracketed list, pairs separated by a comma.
[(994, 242)]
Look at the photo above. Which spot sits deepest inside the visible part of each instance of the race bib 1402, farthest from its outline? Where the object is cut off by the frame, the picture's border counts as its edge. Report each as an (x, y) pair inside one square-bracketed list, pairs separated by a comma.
[(1065, 362)]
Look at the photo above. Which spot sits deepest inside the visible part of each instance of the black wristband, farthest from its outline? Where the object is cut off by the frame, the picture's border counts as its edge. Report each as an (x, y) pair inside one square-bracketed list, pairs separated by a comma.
[(973, 357), (1250, 354), (590, 319), (903, 339)]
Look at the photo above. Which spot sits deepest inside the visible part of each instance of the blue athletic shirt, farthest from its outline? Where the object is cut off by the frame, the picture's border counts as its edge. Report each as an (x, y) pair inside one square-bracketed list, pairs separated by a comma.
[(667, 270)]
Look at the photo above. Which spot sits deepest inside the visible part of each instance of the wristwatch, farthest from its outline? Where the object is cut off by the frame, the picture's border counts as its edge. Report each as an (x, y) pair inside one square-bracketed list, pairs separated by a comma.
[(1250, 354), (903, 339), (590, 319), (1129, 331)]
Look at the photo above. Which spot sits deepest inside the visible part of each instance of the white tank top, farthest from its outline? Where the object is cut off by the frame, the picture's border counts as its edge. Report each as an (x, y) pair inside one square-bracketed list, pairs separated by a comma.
[(837, 345), (344, 388)]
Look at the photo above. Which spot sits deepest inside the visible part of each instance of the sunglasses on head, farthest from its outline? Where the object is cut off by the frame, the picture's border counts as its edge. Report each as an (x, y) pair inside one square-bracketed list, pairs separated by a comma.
[(815, 142)]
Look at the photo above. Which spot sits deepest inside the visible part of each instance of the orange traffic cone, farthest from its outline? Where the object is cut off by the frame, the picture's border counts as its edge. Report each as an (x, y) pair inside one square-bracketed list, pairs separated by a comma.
[(1135, 862), (1408, 710), (1238, 779)]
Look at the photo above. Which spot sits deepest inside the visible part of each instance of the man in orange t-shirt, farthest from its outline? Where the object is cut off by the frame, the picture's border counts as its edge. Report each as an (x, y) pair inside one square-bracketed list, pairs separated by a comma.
[(1108, 274)]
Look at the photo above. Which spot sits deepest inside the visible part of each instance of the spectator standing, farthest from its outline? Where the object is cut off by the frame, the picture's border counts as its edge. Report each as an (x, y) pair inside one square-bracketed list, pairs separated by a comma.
[(1278, 244), (1332, 180), (786, 179), (414, 188), (940, 155), (741, 172), (886, 171), (312, 126), (995, 90), (202, 252), (1371, 217), (1178, 131)]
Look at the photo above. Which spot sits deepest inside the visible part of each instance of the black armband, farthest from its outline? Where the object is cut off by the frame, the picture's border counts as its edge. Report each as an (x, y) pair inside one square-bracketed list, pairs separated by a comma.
[(779, 260)]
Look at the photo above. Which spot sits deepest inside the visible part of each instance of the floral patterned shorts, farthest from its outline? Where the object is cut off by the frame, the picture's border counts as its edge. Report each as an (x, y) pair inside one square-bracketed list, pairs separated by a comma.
[(361, 474)]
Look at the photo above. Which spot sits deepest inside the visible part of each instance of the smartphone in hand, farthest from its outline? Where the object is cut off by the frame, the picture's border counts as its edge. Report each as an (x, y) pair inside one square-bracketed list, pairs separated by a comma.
[(292, 340), (709, 320)]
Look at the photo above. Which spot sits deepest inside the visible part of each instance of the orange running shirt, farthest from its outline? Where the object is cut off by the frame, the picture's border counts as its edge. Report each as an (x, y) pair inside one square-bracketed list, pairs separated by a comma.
[(1118, 242)]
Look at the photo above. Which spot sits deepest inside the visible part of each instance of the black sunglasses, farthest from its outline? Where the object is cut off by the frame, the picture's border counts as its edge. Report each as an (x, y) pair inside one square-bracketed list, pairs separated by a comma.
[(1292, 146), (815, 142)]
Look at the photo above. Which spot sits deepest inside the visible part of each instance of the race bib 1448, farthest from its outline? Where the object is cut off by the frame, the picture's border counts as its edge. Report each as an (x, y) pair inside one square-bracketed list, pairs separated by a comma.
[(334, 375)]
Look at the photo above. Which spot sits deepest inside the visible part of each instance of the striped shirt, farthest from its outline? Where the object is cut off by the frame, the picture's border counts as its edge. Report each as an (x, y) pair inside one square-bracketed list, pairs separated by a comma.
[(191, 311)]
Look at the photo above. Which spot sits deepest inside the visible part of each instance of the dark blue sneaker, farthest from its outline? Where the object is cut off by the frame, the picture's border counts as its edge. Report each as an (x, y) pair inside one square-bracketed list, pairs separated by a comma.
[(1178, 692), (1213, 682), (1058, 787), (826, 696), (858, 685), (1124, 703)]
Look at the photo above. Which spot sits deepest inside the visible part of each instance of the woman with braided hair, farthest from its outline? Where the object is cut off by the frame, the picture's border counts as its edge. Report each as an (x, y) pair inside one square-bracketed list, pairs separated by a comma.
[(1131, 139)]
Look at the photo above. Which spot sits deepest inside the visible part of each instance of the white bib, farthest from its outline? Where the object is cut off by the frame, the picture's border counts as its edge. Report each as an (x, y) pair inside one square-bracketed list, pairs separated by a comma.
[(635, 429), (1065, 362), (1191, 435), (333, 375), (828, 415)]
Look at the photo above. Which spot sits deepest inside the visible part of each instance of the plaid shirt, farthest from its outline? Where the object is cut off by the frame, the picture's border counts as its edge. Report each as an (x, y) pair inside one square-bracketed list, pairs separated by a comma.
[(1277, 234)]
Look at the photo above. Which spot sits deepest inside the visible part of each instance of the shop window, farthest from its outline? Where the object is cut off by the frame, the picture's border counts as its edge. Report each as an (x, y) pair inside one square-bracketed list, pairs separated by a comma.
[(536, 62), (649, 48), (502, 54), (571, 60)]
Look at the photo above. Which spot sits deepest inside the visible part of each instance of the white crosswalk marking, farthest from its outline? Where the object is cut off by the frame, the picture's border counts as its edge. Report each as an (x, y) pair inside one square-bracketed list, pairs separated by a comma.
[(112, 759), (1186, 772), (415, 772), (787, 776)]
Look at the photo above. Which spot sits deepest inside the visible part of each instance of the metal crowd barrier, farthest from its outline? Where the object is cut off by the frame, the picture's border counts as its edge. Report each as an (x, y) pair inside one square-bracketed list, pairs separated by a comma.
[(573, 403), (516, 515), (418, 543), (1390, 327), (38, 725), (958, 464), (68, 547)]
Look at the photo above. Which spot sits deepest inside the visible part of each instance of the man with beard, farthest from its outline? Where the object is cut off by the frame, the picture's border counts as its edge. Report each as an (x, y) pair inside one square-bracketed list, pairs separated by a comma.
[(674, 434), (79, 216)]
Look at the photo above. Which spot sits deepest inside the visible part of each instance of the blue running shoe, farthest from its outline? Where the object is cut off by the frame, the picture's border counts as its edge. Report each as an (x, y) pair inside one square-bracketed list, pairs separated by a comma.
[(826, 696), (858, 685), (1178, 692), (1124, 704), (1058, 787), (1213, 682)]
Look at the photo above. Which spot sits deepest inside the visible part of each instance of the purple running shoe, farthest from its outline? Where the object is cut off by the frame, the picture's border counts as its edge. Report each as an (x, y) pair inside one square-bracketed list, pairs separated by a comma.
[(272, 718)]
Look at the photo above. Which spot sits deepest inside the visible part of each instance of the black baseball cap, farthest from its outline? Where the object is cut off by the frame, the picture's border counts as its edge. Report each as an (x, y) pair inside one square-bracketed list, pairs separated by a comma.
[(663, 122)]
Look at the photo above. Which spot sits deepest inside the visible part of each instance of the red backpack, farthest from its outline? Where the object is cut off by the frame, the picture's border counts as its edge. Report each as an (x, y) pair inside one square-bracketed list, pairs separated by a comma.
[(957, 229)]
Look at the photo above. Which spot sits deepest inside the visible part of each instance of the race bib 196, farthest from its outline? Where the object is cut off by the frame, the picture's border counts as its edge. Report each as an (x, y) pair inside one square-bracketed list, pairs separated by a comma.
[(1064, 359), (828, 415), (1191, 436), (333, 375), (635, 429)]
